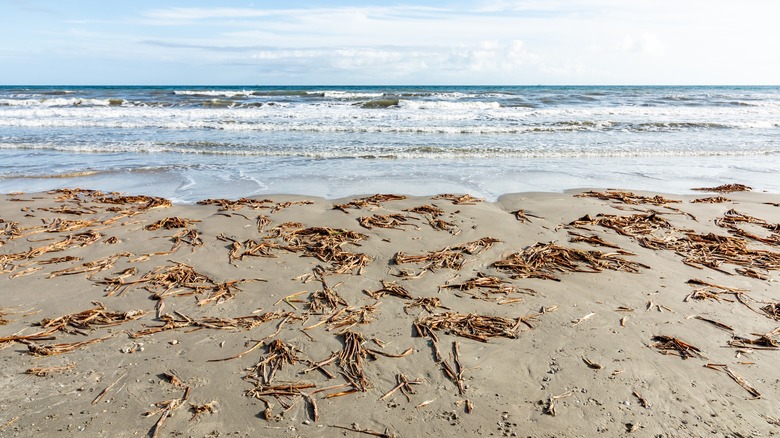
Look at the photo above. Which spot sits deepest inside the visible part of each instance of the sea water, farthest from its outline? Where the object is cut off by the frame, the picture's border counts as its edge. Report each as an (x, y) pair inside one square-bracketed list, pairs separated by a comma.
[(191, 143)]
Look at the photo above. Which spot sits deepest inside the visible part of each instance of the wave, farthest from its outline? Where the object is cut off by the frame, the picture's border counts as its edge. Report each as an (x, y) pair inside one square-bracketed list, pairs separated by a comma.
[(448, 105), (380, 103), (62, 102), (386, 152), (351, 95), (353, 123), (57, 92), (213, 93), (249, 93)]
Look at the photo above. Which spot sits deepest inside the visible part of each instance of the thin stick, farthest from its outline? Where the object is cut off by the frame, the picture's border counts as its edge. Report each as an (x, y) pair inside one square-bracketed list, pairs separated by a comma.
[(105, 391)]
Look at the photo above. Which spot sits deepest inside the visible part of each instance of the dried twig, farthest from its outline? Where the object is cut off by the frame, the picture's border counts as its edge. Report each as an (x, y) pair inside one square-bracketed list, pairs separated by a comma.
[(670, 345), (47, 371), (735, 377)]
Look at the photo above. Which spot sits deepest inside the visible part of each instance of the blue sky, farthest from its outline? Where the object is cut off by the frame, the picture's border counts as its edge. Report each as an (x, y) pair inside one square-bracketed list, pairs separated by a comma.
[(389, 42)]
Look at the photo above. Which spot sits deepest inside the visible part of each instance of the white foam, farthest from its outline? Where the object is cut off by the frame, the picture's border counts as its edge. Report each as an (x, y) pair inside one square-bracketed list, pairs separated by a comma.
[(448, 105), (352, 95), (55, 102), (214, 93)]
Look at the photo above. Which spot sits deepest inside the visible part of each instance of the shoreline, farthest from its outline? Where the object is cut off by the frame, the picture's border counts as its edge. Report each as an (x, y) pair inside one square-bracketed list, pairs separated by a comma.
[(537, 314), (191, 180)]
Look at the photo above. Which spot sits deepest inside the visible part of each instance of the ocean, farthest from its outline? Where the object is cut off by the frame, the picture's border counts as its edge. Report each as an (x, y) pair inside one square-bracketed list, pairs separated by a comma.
[(189, 143)]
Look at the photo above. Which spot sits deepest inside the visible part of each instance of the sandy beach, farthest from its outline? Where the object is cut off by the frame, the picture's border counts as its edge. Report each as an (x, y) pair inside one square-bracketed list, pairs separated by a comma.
[(586, 313)]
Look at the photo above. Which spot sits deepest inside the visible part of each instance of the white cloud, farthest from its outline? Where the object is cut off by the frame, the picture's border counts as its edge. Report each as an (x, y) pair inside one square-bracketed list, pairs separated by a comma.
[(475, 41), (491, 58), (178, 15), (646, 43)]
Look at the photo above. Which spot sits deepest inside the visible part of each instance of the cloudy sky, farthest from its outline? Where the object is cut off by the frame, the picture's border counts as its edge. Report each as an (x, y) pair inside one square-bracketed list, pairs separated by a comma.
[(390, 42)]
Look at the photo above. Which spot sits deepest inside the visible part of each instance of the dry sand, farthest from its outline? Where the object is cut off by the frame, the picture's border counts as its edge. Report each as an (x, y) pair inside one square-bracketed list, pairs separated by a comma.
[(577, 351)]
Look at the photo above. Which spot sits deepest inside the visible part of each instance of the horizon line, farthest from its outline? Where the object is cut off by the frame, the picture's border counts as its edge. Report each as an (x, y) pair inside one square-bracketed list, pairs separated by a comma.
[(389, 85)]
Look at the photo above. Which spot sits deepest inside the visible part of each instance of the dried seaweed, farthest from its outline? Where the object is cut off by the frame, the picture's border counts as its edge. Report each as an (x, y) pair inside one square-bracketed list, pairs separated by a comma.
[(392, 221), (71, 241), (226, 204), (92, 267), (426, 209), (477, 246), (725, 188), (325, 298), (262, 222), (592, 365), (25, 272), (711, 200), (198, 410), (735, 377), (179, 320), (221, 292), (282, 205), (711, 250), (552, 402), (772, 310), (442, 225), (96, 317), (142, 202), (459, 199), (635, 225), (753, 273), (351, 361), (698, 250), (390, 288), (426, 303), (59, 225), (287, 394), (591, 240), (433, 260), (627, 197), (59, 260), (670, 345), (165, 409), (68, 210), (717, 324), (543, 260), (71, 193), (347, 317), (713, 291), (164, 280), (374, 201), (471, 326), (48, 371), (324, 243), (450, 257), (523, 217), (732, 219), (278, 354), (189, 236), (170, 223), (250, 247), (493, 285), (55, 349), (763, 341), (404, 385)]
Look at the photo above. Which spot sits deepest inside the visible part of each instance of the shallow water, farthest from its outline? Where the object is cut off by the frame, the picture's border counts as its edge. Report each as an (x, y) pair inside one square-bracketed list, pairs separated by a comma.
[(189, 143)]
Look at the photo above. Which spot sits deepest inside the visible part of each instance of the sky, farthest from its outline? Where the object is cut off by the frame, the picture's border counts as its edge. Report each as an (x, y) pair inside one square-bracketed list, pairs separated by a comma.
[(346, 42)]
